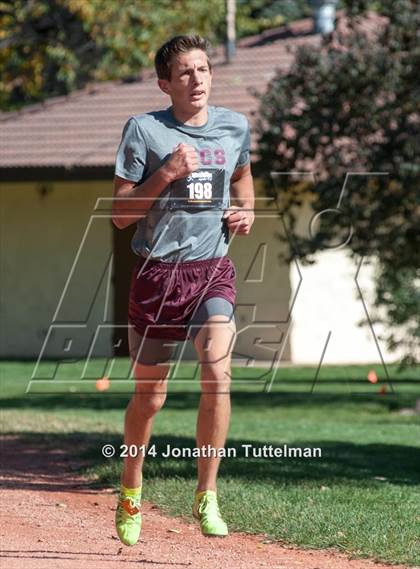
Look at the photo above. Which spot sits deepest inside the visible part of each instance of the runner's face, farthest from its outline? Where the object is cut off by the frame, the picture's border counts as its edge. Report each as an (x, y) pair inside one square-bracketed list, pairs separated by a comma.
[(190, 83)]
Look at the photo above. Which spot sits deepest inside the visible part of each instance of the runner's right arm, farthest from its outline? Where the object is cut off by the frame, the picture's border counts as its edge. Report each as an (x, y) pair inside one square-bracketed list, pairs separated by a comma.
[(132, 201)]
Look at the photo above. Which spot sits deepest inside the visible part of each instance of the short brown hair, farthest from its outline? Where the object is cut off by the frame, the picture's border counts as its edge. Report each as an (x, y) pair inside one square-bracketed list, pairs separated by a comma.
[(176, 45)]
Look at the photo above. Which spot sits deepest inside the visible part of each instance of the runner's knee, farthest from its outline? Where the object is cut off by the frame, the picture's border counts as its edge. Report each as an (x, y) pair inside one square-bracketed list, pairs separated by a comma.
[(151, 403), (215, 377)]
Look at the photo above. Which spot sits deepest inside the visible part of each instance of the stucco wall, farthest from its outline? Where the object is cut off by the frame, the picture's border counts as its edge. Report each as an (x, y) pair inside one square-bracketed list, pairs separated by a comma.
[(262, 312), (329, 307), (42, 226)]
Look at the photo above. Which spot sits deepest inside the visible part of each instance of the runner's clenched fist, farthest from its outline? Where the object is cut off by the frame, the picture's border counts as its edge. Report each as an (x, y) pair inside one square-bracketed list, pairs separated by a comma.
[(182, 162), (239, 220)]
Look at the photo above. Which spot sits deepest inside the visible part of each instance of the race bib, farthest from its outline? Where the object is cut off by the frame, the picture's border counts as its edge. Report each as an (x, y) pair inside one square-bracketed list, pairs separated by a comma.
[(202, 189)]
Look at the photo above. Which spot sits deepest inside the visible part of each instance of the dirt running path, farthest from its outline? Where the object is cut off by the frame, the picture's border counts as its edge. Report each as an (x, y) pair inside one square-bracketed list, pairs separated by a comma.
[(50, 519)]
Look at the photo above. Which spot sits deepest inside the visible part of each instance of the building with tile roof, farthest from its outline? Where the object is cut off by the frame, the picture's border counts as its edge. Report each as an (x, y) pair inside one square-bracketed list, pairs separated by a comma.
[(65, 268)]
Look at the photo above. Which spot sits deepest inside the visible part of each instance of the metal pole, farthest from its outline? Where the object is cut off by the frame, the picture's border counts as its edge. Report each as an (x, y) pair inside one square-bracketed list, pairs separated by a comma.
[(230, 30)]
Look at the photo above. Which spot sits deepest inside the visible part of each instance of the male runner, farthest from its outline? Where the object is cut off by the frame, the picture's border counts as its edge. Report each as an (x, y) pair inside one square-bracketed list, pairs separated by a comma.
[(178, 173)]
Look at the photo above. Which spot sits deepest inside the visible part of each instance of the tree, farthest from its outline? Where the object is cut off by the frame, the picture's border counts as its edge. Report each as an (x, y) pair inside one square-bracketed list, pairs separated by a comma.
[(255, 16), (52, 47), (43, 47), (352, 105)]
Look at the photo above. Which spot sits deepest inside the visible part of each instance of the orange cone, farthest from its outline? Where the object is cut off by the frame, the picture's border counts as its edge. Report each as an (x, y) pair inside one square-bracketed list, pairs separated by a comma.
[(102, 384)]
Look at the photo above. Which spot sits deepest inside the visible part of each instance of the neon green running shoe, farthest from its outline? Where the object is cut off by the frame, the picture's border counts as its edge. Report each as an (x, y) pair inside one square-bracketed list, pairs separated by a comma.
[(128, 518), (206, 510)]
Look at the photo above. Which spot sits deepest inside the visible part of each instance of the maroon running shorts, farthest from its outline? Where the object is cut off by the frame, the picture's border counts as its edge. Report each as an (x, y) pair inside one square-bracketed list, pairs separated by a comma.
[(164, 297)]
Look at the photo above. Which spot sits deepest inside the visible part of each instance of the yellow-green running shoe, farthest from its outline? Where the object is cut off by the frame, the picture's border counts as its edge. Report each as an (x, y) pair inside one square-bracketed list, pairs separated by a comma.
[(128, 517), (206, 510)]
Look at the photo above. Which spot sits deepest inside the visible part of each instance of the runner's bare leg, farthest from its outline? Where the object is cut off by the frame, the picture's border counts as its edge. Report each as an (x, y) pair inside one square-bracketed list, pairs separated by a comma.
[(213, 343), (148, 398)]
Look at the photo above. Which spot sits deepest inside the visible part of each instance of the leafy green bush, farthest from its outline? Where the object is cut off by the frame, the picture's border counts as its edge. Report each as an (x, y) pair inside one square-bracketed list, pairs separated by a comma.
[(351, 105)]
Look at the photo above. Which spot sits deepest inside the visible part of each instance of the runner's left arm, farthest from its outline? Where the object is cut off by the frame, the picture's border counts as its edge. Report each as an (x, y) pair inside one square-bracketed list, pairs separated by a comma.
[(240, 216)]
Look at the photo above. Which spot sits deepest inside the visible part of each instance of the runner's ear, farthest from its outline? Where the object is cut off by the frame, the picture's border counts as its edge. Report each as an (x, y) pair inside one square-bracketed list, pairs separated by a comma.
[(163, 86)]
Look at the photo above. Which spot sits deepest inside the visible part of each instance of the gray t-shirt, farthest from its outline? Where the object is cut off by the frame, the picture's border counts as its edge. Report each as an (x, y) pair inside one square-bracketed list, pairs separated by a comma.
[(185, 222)]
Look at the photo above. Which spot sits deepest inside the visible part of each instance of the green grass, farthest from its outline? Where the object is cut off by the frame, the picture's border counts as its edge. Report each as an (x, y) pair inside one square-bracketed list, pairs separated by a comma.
[(361, 497)]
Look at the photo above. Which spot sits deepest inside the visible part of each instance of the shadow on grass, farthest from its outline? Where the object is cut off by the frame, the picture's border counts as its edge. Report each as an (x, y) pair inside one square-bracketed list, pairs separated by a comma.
[(189, 400), (45, 460)]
